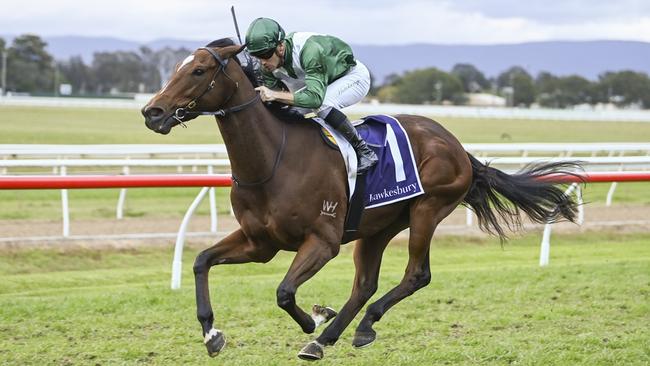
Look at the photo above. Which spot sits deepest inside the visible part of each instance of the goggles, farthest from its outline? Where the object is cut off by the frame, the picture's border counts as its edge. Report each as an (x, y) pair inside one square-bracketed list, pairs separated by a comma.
[(264, 55)]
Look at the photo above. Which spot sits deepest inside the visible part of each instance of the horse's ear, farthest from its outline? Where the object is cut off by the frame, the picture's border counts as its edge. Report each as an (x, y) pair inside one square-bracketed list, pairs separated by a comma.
[(231, 51)]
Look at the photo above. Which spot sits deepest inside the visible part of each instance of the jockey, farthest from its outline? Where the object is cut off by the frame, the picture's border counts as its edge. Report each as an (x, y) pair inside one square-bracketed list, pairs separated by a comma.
[(320, 72)]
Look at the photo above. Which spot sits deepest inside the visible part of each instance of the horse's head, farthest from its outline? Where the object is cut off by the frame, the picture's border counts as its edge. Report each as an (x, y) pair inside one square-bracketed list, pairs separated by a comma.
[(204, 81)]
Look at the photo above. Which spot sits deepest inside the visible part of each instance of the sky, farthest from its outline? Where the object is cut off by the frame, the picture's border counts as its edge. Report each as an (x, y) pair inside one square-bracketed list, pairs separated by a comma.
[(367, 22)]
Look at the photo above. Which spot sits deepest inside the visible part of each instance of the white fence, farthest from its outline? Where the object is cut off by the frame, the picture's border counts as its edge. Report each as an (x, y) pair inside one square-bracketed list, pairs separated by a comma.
[(205, 158), (124, 150), (16, 151)]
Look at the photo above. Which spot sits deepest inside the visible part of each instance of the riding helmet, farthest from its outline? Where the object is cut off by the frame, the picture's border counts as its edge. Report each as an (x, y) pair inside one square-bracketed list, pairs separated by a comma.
[(264, 34)]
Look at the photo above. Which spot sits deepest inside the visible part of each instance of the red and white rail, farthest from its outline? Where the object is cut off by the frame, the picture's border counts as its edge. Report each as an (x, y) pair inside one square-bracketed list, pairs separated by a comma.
[(224, 180), (113, 181)]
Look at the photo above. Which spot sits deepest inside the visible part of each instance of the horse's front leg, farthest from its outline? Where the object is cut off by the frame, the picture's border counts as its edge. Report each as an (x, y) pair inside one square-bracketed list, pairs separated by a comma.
[(310, 258), (235, 248)]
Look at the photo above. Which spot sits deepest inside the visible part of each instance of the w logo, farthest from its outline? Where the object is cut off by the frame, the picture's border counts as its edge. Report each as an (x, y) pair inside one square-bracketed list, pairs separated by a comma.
[(329, 208)]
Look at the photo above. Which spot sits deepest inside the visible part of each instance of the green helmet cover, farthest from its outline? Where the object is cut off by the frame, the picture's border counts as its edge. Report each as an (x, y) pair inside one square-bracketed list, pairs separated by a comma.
[(263, 34)]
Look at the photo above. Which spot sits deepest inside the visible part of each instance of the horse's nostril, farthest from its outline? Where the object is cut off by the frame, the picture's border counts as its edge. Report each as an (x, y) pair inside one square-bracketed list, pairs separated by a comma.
[(154, 112)]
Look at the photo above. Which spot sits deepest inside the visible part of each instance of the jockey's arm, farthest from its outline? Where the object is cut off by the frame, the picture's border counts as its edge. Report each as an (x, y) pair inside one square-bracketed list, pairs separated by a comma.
[(272, 90), (310, 96)]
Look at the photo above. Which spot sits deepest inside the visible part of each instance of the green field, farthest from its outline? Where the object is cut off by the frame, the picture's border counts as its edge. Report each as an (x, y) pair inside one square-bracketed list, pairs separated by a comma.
[(20, 125), (486, 305), (106, 126)]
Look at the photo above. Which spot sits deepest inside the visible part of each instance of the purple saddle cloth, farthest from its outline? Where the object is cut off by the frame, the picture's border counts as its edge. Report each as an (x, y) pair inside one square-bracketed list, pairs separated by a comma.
[(395, 177)]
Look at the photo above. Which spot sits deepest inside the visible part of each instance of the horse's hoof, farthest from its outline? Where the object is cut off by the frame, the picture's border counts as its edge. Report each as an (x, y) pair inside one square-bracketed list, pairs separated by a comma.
[(313, 351), (322, 314), (214, 342), (364, 339)]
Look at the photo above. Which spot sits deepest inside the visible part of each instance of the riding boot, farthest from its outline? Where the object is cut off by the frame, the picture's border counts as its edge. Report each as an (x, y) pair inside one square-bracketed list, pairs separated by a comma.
[(365, 156)]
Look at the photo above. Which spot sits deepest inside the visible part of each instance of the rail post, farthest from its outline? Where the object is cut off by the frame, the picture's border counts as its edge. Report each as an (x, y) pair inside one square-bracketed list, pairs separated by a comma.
[(119, 214), (213, 204), (177, 262), (64, 207), (545, 249)]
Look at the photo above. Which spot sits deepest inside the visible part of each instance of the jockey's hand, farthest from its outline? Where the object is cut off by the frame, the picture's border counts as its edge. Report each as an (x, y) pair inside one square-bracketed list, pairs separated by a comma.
[(266, 94)]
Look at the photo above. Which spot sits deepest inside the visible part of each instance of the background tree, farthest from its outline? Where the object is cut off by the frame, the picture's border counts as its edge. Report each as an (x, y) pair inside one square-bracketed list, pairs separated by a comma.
[(161, 64), (123, 71), (30, 68), (428, 85), (575, 90), (624, 88), (76, 73), (472, 79), (562, 92), (151, 74), (521, 82), (546, 85), (387, 94), (2, 71), (391, 79)]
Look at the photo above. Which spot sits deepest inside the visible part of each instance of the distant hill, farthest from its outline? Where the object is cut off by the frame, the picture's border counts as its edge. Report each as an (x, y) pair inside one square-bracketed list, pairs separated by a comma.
[(585, 58)]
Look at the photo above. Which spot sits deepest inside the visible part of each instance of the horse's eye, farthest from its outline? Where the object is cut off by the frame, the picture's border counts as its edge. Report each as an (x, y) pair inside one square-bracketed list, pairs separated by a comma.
[(198, 72)]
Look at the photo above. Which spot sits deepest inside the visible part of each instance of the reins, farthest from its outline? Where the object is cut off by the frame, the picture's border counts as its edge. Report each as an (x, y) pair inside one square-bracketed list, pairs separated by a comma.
[(278, 157)]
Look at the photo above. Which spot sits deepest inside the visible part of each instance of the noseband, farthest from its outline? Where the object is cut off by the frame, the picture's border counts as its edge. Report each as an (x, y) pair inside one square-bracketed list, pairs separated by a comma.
[(183, 112)]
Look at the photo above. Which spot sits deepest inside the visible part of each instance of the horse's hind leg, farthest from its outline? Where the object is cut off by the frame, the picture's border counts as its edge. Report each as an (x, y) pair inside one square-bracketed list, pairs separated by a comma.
[(235, 248), (367, 259), (425, 216)]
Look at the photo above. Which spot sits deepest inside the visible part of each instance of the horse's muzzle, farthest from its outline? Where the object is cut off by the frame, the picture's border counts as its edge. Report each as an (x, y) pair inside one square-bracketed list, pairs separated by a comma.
[(157, 120)]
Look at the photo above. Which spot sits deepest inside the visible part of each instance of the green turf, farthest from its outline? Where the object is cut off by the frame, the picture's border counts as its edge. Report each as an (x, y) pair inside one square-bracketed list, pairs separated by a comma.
[(36, 125), (471, 130), (20, 125), (485, 305)]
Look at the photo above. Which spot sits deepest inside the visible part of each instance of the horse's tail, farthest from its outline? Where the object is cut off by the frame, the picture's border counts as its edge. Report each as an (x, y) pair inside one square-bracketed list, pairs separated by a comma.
[(542, 200)]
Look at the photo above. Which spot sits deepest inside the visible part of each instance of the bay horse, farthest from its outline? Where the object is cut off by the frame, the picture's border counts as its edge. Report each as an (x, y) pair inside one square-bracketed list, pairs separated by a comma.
[(283, 173)]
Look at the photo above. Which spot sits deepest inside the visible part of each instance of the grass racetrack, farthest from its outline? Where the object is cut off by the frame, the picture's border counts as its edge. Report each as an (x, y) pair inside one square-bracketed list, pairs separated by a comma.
[(485, 305), (40, 125)]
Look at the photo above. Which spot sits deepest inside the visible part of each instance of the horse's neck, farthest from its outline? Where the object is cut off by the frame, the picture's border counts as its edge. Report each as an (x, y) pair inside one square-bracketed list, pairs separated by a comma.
[(253, 137)]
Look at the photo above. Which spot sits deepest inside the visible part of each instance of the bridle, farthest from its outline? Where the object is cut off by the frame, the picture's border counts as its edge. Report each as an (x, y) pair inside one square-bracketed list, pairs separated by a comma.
[(183, 112)]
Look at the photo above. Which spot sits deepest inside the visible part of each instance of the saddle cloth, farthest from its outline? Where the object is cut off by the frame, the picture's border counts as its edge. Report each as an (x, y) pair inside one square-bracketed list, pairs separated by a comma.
[(395, 177)]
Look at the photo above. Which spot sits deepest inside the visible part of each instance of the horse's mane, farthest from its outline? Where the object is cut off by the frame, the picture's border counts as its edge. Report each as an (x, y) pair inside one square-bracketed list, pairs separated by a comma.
[(251, 68)]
